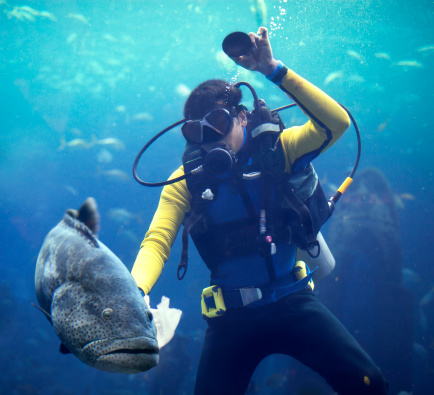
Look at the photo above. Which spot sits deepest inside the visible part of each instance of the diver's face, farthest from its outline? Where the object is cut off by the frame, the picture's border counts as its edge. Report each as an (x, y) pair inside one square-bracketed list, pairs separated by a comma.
[(234, 139)]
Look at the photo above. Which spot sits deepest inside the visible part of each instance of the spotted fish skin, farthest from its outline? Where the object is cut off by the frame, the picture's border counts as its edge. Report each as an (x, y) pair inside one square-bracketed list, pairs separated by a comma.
[(95, 306)]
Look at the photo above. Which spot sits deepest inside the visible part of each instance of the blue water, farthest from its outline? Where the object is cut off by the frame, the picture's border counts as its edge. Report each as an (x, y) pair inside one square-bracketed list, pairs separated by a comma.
[(122, 70)]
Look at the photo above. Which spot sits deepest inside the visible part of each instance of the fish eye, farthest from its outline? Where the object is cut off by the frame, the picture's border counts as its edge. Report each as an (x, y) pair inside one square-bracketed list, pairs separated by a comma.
[(107, 314)]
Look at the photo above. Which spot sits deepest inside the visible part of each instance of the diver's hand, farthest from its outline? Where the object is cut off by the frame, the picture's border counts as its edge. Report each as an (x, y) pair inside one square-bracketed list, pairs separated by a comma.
[(166, 319), (260, 58)]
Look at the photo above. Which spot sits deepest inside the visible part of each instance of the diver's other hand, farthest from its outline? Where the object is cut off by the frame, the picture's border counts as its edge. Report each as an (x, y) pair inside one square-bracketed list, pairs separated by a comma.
[(260, 57), (166, 319)]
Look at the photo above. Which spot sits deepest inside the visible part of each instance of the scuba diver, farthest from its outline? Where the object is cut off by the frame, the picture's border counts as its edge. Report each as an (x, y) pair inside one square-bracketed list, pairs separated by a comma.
[(251, 200)]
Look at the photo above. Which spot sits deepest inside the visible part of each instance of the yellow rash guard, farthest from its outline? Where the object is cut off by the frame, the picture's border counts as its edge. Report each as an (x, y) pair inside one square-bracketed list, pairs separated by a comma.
[(327, 122)]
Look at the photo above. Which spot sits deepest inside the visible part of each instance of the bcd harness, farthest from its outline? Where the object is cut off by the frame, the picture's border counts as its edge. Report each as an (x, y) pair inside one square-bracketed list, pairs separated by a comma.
[(293, 213)]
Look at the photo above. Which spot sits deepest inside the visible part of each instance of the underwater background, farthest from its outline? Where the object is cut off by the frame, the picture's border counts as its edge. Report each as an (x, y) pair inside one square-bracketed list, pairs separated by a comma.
[(85, 84)]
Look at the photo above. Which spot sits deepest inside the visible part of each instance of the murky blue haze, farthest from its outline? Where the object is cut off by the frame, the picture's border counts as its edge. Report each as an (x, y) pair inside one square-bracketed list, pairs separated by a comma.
[(85, 71)]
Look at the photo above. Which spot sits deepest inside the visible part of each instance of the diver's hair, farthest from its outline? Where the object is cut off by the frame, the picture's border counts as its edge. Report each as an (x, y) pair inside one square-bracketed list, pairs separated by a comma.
[(210, 95)]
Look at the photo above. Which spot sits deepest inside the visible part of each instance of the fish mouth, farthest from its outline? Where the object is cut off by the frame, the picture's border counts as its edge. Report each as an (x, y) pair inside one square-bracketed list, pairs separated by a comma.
[(134, 351), (131, 345), (128, 355)]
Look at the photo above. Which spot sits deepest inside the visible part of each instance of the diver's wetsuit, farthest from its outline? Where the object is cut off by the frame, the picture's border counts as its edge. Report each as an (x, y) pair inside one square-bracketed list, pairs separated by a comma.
[(296, 324)]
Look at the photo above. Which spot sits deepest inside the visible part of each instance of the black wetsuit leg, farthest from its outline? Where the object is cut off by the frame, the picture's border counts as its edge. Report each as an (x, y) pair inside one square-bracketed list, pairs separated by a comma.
[(297, 325), (229, 356), (325, 345)]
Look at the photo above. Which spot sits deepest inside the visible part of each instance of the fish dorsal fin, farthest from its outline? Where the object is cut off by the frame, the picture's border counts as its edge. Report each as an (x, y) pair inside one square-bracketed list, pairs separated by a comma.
[(89, 215), (43, 312)]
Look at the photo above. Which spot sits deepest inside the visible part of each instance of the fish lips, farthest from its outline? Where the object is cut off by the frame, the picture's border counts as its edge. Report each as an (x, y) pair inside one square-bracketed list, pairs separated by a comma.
[(129, 355)]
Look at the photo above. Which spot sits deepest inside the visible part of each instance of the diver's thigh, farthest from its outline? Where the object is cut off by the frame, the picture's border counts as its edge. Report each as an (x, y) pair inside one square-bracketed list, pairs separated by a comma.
[(334, 353), (227, 362)]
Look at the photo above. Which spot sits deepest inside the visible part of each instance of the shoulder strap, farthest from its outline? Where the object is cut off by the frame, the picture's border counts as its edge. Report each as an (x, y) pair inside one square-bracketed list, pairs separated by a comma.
[(197, 212), (193, 157)]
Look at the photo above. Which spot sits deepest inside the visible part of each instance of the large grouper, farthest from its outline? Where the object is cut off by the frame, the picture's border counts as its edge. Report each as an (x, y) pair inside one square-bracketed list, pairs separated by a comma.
[(91, 299)]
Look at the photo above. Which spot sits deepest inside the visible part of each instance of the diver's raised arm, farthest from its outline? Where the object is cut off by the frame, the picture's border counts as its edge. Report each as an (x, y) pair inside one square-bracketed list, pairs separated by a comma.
[(315, 103)]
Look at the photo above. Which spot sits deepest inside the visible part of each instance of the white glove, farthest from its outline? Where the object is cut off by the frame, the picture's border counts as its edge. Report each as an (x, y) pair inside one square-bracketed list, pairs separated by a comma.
[(166, 320)]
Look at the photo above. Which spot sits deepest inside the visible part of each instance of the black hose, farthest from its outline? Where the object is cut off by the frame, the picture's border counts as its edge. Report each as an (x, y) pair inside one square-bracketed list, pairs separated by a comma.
[(155, 184)]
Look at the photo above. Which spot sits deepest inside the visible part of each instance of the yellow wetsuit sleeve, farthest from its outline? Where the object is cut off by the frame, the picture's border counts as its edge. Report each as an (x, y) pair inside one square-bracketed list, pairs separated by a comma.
[(155, 249), (327, 122)]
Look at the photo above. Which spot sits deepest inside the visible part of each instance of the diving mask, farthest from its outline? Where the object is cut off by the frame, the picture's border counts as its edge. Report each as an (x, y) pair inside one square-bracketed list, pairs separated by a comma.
[(214, 126)]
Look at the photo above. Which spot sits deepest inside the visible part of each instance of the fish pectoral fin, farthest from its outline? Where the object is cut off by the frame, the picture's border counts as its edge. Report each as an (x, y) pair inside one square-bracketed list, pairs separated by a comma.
[(43, 312), (63, 350)]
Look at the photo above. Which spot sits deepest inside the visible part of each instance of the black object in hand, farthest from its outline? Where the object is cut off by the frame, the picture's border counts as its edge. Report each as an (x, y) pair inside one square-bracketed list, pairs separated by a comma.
[(236, 44)]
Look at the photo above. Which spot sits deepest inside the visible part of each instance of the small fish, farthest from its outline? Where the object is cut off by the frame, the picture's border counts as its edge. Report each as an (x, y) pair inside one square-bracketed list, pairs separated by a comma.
[(400, 197), (408, 63), (426, 48), (382, 55), (407, 196), (116, 174), (112, 142), (383, 125), (48, 15), (121, 215), (15, 13), (29, 10), (78, 17), (143, 116), (75, 143), (120, 108), (182, 90), (23, 13), (71, 38), (27, 16), (333, 76), (71, 190), (354, 54), (428, 298), (110, 38)]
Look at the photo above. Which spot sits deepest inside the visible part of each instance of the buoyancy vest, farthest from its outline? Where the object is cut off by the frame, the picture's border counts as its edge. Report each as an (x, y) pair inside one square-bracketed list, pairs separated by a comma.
[(297, 209)]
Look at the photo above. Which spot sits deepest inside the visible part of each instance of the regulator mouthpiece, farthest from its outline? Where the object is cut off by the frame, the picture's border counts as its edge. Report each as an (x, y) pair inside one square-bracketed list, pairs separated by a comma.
[(218, 161)]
